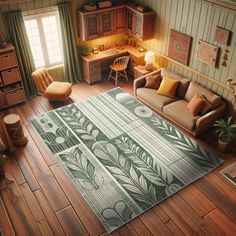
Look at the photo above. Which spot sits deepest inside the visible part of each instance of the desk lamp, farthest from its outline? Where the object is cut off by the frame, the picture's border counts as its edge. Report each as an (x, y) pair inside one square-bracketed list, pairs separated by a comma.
[(149, 58)]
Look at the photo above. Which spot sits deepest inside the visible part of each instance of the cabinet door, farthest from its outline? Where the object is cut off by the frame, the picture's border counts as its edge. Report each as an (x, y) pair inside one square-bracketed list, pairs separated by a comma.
[(138, 26), (92, 26), (106, 21), (119, 20), (130, 21)]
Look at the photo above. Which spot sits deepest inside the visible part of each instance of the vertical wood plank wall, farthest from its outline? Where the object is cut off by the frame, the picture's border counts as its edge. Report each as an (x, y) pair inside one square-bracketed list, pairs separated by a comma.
[(192, 17), (199, 20)]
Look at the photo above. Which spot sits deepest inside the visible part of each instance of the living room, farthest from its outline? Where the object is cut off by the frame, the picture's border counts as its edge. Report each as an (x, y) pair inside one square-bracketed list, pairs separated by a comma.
[(117, 117)]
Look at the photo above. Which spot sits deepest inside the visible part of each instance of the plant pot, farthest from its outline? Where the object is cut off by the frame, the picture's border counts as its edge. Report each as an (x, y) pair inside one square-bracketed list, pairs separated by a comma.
[(223, 144)]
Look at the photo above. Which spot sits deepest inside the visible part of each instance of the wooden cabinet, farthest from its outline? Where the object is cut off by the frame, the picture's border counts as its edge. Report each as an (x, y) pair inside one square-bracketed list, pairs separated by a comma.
[(140, 24), (106, 23), (124, 18), (92, 28), (11, 86), (119, 20), (91, 71), (95, 25)]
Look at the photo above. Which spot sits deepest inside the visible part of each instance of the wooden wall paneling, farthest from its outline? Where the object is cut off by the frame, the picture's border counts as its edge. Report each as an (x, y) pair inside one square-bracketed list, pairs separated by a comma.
[(5, 222), (36, 210), (18, 211), (168, 6), (48, 213), (179, 15), (186, 17), (82, 209), (71, 222)]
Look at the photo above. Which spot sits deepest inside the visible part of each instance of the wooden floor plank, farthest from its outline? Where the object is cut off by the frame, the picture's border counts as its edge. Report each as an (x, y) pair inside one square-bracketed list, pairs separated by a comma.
[(219, 198), (36, 210), (5, 222), (88, 218), (140, 227), (154, 224), (221, 220), (180, 218), (197, 200), (49, 213), (71, 222), (18, 211), (46, 180)]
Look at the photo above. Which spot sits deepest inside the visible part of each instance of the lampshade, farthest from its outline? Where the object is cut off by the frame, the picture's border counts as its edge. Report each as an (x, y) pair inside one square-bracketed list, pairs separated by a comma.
[(149, 57)]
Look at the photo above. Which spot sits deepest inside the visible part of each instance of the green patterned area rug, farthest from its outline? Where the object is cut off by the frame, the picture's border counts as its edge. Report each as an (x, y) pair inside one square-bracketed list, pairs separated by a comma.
[(123, 158)]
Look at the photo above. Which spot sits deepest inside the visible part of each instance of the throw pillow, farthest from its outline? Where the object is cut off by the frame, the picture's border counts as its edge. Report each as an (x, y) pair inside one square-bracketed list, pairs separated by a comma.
[(153, 81), (195, 105), (206, 107), (168, 87)]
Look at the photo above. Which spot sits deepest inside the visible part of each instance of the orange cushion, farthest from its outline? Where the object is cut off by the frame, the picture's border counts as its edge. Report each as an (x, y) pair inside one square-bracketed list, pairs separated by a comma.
[(58, 91), (206, 107), (168, 87), (195, 105)]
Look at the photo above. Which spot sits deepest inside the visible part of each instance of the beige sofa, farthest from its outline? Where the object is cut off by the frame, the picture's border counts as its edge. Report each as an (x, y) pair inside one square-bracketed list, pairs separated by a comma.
[(175, 109)]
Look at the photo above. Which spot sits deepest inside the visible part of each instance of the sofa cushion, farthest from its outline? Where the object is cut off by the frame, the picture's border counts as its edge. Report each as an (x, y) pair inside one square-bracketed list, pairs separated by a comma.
[(183, 85), (178, 112), (168, 87), (153, 81), (154, 100), (195, 88), (206, 107), (195, 105)]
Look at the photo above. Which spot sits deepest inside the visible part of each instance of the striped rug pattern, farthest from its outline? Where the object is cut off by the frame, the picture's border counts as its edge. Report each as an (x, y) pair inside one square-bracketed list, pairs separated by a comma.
[(122, 157)]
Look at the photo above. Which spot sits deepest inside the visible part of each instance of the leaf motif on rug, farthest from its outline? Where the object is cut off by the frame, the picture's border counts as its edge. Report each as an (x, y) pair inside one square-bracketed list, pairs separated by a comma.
[(82, 169)]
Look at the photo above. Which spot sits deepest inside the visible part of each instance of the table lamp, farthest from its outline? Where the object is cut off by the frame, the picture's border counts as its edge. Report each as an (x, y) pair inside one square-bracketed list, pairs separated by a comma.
[(149, 58)]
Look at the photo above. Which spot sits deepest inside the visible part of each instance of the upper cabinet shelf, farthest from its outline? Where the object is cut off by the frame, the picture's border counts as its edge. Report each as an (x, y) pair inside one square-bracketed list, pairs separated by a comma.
[(117, 19)]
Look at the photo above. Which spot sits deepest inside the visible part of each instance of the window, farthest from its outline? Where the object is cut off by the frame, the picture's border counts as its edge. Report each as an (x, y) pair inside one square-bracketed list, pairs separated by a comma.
[(43, 33)]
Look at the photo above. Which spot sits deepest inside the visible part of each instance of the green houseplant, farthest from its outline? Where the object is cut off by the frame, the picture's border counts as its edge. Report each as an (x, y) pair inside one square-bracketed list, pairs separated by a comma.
[(227, 131)]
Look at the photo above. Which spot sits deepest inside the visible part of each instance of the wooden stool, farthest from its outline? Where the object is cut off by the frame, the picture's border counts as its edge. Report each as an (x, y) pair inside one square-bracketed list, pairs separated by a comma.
[(14, 129)]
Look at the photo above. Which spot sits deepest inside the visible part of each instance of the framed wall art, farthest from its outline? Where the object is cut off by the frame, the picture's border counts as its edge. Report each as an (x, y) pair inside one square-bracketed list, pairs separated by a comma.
[(222, 35), (207, 53), (179, 46)]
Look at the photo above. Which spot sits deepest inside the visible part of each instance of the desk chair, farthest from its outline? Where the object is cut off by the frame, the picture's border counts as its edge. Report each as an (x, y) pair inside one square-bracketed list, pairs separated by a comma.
[(50, 89), (119, 66)]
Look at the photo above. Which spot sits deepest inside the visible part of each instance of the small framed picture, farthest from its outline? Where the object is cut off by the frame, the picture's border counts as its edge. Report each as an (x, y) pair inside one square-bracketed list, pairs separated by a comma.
[(222, 35)]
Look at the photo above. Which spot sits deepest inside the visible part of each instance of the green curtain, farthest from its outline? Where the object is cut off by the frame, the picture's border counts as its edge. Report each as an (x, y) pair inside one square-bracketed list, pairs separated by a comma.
[(19, 39), (71, 61)]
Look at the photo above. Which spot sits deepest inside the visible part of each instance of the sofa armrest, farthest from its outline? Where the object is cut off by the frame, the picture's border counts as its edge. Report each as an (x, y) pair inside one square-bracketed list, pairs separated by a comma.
[(140, 82), (207, 120)]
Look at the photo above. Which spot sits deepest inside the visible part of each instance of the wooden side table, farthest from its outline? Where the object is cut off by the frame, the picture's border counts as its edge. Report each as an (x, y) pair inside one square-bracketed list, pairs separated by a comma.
[(140, 71), (14, 129)]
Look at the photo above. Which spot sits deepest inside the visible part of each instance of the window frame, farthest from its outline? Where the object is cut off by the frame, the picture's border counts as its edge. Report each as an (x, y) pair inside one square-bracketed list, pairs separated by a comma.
[(38, 17)]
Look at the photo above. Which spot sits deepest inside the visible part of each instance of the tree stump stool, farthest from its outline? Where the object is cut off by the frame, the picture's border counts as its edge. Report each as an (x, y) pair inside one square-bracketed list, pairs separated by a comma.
[(14, 129)]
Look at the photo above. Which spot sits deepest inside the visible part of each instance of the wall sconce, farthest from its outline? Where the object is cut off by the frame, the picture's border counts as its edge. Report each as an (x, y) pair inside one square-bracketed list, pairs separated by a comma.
[(149, 58)]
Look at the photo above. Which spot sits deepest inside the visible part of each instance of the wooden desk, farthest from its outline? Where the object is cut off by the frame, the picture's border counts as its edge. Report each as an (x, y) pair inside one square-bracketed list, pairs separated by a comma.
[(92, 64)]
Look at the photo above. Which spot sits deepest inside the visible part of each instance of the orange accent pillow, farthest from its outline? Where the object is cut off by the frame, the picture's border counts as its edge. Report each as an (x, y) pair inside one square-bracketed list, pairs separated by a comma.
[(195, 105), (206, 107), (168, 87)]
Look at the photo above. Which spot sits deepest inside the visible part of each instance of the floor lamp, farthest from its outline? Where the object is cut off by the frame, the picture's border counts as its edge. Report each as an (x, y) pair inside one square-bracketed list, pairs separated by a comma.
[(232, 86)]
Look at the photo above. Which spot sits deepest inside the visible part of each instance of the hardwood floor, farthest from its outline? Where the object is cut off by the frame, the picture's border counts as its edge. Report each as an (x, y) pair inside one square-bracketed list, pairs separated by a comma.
[(37, 198)]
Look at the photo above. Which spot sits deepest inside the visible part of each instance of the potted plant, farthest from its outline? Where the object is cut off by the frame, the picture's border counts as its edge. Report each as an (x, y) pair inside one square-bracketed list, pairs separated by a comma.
[(3, 40), (227, 131)]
